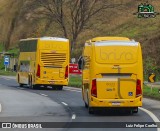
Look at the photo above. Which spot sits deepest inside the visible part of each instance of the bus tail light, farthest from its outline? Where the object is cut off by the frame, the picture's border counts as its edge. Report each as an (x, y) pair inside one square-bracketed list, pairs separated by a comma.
[(38, 71), (66, 73), (94, 88), (138, 88)]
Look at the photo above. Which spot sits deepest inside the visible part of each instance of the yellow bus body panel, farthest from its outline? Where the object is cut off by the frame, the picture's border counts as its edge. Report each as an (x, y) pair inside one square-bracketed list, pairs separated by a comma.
[(51, 55), (116, 64)]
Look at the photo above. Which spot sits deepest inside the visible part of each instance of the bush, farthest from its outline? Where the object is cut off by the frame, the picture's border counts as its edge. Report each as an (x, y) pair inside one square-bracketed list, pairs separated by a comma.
[(150, 67)]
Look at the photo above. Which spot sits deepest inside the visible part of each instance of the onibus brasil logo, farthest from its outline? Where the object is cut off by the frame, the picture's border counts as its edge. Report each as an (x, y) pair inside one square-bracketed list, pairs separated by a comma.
[(146, 10)]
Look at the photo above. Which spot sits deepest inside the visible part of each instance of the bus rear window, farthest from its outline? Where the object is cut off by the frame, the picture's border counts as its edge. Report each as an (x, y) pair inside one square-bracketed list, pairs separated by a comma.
[(28, 46)]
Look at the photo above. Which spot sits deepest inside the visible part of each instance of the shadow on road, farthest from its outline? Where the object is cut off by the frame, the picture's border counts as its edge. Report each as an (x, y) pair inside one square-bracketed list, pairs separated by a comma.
[(102, 112)]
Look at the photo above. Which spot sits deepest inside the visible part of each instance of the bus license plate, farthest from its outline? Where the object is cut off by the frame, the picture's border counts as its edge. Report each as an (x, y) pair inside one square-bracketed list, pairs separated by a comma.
[(116, 103), (51, 82)]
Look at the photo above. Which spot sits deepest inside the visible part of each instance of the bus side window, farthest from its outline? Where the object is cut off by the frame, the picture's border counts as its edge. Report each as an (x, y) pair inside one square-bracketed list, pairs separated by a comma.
[(21, 67)]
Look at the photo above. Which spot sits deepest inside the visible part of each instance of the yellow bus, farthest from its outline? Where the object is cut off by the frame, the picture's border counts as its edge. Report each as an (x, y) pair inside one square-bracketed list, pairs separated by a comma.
[(112, 74), (43, 62)]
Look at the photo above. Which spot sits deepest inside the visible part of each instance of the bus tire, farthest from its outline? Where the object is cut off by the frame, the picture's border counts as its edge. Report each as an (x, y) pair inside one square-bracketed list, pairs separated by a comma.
[(90, 109), (86, 106), (29, 81), (20, 85), (18, 79), (135, 110), (31, 85)]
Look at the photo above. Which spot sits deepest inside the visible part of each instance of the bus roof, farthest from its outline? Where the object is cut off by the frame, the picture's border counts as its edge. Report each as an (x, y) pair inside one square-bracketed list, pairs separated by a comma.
[(46, 39), (116, 43), (110, 38)]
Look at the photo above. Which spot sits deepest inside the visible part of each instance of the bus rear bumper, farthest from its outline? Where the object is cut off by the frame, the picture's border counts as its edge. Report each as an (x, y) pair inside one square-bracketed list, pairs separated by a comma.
[(51, 82), (137, 102)]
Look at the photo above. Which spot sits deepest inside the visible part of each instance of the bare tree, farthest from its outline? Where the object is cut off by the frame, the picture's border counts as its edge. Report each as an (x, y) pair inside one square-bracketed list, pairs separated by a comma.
[(54, 10), (73, 15)]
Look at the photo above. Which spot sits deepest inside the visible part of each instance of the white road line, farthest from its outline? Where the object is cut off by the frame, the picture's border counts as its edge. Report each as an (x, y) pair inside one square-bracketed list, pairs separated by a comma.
[(0, 108), (72, 90), (155, 119), (64, 103), (44, 95), (73, 116), (20, 88), (7, 79)]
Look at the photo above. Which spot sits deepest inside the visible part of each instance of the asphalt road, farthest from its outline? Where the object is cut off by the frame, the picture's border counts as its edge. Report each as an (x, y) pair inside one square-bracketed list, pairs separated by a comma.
[(27, 105)]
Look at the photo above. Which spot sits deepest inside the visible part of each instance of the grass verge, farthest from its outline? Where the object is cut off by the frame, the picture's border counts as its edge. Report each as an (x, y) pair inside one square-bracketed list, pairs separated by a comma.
[(75, 81), (7, 73), (154, 94)]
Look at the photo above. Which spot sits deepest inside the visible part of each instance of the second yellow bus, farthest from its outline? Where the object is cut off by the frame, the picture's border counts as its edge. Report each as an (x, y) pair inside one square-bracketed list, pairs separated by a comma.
[(43, 62)]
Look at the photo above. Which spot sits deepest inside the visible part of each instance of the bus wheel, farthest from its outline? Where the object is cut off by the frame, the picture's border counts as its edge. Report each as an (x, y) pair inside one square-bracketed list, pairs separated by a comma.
[(86, 106), (135, 110), (90, 109), (20, 85), (30, 82)]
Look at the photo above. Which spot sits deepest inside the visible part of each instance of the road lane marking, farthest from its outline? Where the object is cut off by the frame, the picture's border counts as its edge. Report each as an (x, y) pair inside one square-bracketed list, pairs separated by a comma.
[(73, 116), (44, 95), (0, 108), (20, 88), (155, 119), (64, 103), (72, 90), (7, 79)]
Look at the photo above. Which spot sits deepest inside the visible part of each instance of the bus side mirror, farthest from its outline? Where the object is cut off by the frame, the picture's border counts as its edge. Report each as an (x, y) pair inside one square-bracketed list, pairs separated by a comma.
[(80, 63)]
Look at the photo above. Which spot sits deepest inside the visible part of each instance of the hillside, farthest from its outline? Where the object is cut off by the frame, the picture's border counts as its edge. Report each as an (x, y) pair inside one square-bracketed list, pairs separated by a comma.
[(18, 19)]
